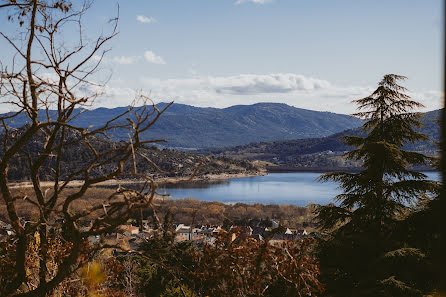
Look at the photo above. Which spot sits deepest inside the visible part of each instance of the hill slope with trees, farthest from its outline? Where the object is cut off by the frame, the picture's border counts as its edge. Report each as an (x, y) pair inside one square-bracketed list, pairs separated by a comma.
[(322, 152), (149, 160)]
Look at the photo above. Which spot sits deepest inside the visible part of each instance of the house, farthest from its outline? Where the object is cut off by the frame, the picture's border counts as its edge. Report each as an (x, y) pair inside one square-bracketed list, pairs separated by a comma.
[(183, 232), (260, 231), (209, 231)]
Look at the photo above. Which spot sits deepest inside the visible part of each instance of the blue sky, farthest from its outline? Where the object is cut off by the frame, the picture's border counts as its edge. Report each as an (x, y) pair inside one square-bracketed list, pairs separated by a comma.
[(312, 54)]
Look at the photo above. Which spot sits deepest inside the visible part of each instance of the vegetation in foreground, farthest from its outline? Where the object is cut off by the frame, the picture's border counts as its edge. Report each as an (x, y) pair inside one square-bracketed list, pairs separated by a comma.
[(370, 251), (233, 265)]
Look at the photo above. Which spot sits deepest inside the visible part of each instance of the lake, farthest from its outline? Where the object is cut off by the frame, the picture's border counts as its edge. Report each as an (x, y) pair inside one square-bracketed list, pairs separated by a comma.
[(298, 188)]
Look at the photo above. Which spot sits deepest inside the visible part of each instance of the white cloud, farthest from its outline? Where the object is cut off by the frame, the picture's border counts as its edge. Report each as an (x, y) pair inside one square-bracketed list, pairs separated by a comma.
[(247, 84), (145, 20), (223, 91), (125, 60), (430, 99), (108, 96), (122, 60), (151, 57), (253, 1)]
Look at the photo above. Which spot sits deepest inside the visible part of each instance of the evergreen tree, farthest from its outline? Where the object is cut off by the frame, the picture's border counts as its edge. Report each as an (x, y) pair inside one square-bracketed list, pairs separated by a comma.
[(355, 261)]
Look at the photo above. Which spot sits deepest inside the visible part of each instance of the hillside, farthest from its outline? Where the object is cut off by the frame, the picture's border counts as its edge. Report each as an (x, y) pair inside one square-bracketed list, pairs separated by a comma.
[(187, 126), (164, 163), (322, 152)]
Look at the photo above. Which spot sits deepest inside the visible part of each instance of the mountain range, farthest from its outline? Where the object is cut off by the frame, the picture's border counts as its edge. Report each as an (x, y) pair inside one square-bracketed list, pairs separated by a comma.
[(272, 132), (186, 126)]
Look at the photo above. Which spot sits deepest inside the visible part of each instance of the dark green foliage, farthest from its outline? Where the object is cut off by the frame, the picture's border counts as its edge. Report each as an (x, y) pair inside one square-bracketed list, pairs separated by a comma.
[(166, 263), (393, 287), (366, 256), (425, 230), (166, 266)]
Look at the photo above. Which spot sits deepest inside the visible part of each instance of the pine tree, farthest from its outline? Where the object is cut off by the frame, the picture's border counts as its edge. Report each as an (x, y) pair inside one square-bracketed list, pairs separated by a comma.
[(364, 219)]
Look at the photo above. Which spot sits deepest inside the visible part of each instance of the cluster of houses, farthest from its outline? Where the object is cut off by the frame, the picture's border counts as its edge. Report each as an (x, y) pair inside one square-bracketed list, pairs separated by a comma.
[(183, 232), (202, 235), (130, 237)]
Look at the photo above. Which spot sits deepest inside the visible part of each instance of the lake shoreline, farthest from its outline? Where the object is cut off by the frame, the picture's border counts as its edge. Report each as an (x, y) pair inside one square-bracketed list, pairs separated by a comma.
[(205, 179), (283, 169), (160, 181)]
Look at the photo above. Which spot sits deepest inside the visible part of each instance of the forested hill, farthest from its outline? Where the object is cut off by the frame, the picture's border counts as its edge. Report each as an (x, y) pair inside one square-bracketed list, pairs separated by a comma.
[(194, 127), (322, 152), (163, 162)]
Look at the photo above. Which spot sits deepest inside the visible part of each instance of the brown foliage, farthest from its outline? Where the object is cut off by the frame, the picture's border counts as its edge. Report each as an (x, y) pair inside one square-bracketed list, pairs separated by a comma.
[(245, 267), (187, 211)]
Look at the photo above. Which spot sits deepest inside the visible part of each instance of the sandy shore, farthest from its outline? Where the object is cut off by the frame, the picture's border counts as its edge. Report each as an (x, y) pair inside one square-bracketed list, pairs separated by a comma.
[(159, 181)]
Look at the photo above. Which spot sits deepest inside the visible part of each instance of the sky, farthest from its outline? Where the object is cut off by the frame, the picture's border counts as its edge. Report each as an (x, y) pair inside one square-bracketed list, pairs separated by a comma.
[(312, 54)]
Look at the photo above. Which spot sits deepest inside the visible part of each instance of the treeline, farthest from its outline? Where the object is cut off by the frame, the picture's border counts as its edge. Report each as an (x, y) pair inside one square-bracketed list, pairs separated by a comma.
[(195, 212)]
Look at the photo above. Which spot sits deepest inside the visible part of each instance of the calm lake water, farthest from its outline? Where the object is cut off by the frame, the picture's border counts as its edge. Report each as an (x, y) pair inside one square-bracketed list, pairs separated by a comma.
[(298, 188)]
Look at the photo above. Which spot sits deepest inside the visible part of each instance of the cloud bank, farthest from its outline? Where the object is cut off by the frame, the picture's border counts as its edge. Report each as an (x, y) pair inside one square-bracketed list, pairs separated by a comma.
[(247, 84), (223, 91)]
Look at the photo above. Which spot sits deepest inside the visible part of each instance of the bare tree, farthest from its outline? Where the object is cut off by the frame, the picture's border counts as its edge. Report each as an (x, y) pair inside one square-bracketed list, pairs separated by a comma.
[(42, 84), (130, 280)]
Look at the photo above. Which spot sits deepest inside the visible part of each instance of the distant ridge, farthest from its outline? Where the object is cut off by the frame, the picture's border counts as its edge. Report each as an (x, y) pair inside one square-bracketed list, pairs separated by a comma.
[(196, 127), (321, 152)]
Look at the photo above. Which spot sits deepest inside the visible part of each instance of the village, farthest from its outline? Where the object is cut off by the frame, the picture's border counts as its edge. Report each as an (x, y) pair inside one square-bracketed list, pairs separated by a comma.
[(128, 238)]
